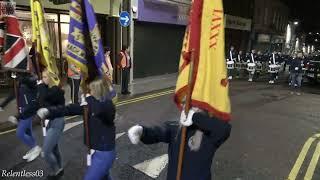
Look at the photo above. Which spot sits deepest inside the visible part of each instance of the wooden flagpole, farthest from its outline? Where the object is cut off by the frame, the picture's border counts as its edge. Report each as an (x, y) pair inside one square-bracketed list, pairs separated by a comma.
[(86, 119), (186, 109)]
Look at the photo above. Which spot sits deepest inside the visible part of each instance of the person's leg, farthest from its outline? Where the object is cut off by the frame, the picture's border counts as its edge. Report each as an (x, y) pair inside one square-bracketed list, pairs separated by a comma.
[(127, 76), (299, 83), (100, 165), (76, 90), (24, 132), (57, 153), (123, 77), (71, 83), (50, 142)]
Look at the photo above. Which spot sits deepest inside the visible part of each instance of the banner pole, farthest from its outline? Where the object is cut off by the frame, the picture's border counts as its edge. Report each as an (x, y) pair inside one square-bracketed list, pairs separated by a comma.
[(186, 109)]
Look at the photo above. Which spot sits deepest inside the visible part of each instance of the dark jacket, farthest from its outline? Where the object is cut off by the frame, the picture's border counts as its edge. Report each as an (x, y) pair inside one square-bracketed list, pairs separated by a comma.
[(100, 123), (50, 98), (196, 165), (27, 97), (296, 63), (234, 55)]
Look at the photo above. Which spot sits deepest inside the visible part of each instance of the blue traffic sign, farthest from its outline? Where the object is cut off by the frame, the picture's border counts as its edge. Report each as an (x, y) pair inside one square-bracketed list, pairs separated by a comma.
[(124, 19)]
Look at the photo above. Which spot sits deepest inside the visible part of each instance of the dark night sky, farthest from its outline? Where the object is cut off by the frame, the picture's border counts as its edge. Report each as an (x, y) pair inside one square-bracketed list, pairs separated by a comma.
[(307, 12)]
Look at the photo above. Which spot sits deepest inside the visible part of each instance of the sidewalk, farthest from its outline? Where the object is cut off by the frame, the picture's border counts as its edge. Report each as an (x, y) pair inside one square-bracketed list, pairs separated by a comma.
[(138, 86)]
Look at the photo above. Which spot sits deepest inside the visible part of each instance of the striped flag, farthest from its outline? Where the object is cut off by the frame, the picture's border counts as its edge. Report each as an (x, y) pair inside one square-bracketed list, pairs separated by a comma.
[(43, 41), (15, 49), (85, 49), (205, 37)]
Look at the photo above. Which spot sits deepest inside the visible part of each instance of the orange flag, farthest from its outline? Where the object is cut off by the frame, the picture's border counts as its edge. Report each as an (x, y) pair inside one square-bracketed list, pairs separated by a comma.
[(205, 37)]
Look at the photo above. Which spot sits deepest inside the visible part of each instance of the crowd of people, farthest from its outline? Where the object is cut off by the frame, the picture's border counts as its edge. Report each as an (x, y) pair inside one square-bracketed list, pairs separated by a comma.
[(252, 64)]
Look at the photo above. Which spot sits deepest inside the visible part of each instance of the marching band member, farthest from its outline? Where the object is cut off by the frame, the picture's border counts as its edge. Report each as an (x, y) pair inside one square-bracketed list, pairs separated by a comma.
[(239, 61), (273, 67), (101, 128), (252, 65), (27, 102), (205, 135), (52, 96), (232, 57)]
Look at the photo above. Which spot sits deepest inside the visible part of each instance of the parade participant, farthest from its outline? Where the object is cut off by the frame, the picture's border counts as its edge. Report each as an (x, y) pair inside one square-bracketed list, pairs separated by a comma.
[(101, 127), (232, 57), (252, 65), (74, 82), (273, 67), (296, 73), (27, 105), (108, 63), (125, 65), (52, 96), (205, 135), (239, 60)]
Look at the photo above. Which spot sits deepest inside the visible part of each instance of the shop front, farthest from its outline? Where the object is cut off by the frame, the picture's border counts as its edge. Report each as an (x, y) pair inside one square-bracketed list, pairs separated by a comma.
[(158, 37)]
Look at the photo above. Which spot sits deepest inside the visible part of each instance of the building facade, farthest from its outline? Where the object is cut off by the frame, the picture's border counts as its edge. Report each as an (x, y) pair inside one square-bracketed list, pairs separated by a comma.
[(271, 18), (238, 23)]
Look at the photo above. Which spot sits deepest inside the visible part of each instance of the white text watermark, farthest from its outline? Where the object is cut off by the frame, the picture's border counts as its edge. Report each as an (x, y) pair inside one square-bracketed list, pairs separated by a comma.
[(22, 173)]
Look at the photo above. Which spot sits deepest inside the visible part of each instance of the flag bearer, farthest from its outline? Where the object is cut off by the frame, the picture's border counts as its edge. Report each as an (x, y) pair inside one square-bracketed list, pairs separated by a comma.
[(205, 135), (27, 104), (101, 128)]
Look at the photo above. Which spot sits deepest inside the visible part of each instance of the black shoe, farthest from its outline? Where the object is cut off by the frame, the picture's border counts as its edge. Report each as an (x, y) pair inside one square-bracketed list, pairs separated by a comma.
[(126, 93)]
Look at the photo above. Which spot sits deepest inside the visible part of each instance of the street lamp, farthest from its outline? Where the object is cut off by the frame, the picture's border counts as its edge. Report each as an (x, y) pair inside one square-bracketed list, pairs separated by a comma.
[(296, 23)]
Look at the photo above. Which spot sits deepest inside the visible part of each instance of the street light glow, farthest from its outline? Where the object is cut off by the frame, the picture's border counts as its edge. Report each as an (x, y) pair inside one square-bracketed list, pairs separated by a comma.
[(296, 23)]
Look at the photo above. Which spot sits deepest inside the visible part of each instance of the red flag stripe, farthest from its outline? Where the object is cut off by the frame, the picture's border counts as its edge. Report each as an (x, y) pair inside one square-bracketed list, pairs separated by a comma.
[(14, 50)]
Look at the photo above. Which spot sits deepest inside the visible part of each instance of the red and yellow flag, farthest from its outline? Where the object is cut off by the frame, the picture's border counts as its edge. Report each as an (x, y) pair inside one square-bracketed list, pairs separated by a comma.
[(205, 37)]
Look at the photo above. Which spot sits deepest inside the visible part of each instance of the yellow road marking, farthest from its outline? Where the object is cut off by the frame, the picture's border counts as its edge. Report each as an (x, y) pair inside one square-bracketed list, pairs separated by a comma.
[(297, 166), (313, 163), (126, 102), (143, 98), (12, 130)]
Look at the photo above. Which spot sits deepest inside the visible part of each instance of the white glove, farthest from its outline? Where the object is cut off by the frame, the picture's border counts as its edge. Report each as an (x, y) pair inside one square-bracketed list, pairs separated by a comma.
[(83, 100), (135, 133), (43, 113), (296, 68), (39, 82), (13, 75), (13, 119), (187, 120)]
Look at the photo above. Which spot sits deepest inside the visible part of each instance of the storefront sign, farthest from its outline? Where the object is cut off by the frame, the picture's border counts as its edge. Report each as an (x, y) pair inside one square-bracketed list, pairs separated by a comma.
[(264, 38), (161, 11), (239, 23)]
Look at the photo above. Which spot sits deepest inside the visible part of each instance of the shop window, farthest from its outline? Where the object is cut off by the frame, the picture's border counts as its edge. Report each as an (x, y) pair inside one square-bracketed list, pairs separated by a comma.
[(24, 18)]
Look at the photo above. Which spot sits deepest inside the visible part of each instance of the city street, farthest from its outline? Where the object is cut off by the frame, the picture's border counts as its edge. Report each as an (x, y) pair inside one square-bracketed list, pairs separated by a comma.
[(269, 139)]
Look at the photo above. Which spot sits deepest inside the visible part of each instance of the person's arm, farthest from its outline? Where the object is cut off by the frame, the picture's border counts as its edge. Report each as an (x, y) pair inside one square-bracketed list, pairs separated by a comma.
[(209, 124), (29, 110), (156, 134)]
